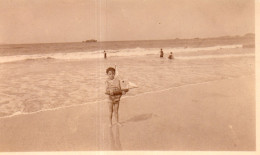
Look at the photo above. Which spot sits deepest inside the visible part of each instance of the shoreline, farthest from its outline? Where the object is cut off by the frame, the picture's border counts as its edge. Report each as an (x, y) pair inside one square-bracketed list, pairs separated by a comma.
[(122, 98), (157, 121)]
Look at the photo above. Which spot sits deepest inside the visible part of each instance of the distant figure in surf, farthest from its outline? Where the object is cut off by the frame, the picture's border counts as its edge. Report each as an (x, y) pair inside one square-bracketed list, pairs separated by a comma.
[(105, 54), (114, 92), (170, 56), (161, 53)]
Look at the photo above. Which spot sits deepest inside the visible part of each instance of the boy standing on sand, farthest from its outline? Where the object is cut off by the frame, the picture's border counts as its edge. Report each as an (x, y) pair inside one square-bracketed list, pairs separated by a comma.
[(113, 89)]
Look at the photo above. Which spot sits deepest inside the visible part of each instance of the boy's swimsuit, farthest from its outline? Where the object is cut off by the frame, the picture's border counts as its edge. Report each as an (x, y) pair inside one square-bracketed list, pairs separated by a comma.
[(113, 85)]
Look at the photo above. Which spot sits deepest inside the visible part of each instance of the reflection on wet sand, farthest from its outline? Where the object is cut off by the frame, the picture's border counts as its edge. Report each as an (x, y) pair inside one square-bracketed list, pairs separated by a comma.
[(114, 131), (115, 143)]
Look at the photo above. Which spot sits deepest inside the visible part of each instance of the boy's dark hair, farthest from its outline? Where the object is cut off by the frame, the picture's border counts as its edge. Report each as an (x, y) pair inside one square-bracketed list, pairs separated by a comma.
[(110, 69)]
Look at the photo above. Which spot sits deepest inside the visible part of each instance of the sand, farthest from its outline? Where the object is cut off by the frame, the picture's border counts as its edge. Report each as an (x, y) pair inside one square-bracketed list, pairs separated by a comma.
[(210, 116)]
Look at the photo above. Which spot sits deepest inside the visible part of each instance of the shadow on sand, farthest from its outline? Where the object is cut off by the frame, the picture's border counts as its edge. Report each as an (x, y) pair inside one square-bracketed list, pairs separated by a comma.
[(138, 118)]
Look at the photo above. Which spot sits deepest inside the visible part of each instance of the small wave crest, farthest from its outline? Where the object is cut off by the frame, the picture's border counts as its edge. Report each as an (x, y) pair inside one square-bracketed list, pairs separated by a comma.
[(6, 59)]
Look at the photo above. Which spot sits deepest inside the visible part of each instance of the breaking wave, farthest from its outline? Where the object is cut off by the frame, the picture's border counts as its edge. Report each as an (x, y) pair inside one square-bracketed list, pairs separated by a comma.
[(113, 53)]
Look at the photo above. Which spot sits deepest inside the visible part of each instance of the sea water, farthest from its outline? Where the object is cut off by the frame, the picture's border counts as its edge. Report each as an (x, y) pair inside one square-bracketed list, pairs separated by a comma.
[(38, 77)]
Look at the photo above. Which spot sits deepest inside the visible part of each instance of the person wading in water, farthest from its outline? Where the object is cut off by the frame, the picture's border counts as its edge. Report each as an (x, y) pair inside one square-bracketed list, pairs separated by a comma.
[(161, 53)]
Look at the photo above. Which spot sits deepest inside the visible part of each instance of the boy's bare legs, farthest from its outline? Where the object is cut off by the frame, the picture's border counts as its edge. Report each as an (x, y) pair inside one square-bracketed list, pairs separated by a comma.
[(110, 106), (116, 107)]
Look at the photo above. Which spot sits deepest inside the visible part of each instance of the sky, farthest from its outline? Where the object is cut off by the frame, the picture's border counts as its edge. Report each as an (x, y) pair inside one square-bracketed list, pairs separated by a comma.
[(46, 21)]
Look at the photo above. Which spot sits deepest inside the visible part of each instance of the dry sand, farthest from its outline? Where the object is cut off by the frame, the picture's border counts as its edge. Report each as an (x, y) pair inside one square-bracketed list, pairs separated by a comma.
[(211, 116)]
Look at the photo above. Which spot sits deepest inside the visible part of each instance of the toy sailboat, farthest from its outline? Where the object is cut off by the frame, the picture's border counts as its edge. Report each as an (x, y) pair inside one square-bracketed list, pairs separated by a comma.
[(125, 84)]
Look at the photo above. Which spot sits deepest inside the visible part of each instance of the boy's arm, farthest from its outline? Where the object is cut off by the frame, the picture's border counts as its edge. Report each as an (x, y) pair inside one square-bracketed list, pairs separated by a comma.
[(107, 92)]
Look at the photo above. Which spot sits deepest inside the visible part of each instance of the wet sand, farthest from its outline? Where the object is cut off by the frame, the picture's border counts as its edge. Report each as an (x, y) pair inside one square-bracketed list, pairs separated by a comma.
[(211, 116)]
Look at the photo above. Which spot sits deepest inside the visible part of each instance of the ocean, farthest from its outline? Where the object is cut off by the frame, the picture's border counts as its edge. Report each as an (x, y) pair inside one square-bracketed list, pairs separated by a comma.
[(39, 77)]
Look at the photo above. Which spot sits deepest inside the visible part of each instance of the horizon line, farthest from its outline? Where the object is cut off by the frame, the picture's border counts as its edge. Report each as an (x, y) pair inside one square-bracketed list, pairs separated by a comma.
[(127, 40)]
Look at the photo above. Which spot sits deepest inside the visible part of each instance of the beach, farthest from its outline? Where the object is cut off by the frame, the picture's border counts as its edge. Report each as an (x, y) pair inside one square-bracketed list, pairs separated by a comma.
[(208, 116), (202, 100)]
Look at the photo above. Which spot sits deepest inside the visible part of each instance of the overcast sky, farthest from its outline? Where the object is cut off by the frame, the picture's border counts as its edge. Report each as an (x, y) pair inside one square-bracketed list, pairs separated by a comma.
[(43, 21)]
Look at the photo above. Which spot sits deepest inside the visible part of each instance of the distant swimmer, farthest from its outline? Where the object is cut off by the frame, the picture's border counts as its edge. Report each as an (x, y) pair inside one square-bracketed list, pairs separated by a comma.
[(161, 53), (170, 56), (105, 54)]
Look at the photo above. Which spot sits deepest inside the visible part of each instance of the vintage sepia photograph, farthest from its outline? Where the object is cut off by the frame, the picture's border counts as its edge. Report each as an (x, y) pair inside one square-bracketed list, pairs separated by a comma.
[(127, 75)]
